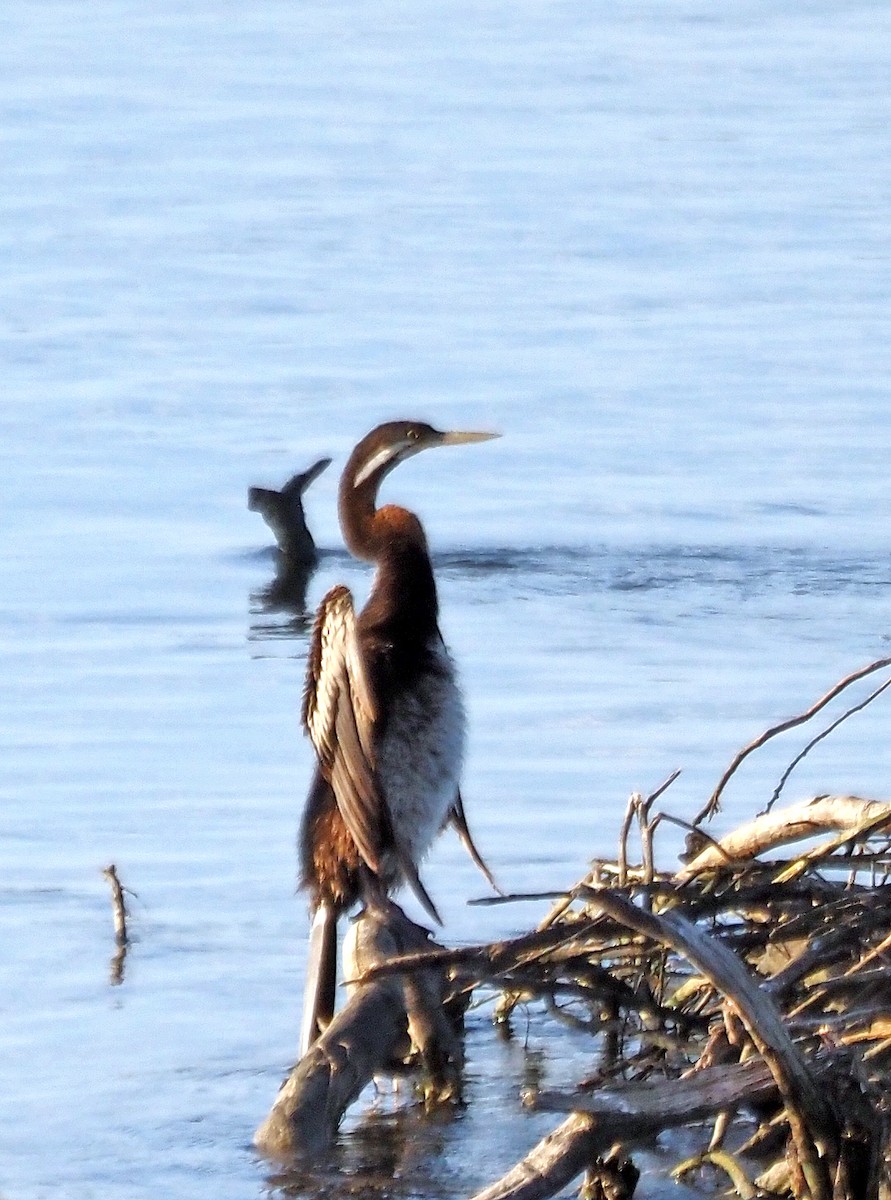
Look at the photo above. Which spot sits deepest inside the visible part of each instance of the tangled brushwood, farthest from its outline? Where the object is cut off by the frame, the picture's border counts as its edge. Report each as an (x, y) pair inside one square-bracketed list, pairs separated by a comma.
[(747, 994), (731, 988)]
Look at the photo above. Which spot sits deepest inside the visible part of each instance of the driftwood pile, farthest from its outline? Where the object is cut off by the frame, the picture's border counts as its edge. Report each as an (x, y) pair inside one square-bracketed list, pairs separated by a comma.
[(747, 994)]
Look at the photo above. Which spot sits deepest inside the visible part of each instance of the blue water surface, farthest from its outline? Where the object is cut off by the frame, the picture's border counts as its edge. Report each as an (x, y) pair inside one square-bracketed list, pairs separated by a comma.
[(646, 242)]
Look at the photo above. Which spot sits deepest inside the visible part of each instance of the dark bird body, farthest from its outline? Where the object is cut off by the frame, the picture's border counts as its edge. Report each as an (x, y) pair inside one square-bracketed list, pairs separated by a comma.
[(384, 711)]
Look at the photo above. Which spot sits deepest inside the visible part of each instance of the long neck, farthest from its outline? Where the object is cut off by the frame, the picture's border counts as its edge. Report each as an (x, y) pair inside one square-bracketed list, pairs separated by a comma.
[(403, 605), (293, 536), (357, 509)]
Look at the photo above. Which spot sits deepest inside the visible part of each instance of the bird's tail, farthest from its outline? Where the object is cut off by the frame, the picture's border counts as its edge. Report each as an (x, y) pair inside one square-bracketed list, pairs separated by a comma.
[(321, 975)]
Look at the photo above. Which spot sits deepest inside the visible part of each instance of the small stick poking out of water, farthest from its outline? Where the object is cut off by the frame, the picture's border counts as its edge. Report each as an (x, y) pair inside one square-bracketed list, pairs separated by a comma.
[(118, 906), (121, 937)]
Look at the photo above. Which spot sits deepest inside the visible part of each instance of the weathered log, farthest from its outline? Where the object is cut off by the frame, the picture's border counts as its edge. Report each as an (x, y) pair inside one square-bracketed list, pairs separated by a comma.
[(627, 1113), (373, 1033), (310, 1105), (783, 826)]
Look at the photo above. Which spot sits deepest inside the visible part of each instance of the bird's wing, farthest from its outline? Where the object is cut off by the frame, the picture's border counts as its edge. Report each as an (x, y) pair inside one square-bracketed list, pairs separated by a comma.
[(457, 818), (339, 712)]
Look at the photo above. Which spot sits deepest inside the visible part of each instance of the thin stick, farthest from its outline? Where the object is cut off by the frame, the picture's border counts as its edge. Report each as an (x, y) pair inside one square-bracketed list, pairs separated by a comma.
[(663, 787), (118, 907), (623, 837), (819, 738), (713, 804)]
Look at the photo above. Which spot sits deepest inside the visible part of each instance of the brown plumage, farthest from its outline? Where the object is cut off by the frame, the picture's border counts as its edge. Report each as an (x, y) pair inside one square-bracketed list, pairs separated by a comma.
[(383, 710)]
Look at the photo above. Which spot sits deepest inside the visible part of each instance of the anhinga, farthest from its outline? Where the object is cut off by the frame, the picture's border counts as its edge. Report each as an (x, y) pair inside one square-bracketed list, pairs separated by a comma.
[(384, 712)]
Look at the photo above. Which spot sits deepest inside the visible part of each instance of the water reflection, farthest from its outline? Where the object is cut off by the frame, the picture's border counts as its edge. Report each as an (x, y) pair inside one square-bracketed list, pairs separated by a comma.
[(391, 1153), (285, 593)]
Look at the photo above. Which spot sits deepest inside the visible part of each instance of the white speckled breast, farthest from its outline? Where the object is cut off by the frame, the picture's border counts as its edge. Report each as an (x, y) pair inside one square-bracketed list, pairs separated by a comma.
[(420, 757)]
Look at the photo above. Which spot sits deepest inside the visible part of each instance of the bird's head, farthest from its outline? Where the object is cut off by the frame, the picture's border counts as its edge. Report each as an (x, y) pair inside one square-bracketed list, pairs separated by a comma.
[(392, 443)]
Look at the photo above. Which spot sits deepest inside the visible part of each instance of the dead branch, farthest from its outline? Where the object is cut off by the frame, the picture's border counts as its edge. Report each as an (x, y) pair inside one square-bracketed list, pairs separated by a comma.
[(558, 1159), (374, 1033), (638, 1110), (784, 826), (122, 940), (715, 800), (118, 907)]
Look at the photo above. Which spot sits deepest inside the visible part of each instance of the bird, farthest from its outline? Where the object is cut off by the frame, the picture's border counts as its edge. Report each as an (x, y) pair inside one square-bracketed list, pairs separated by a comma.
[(283, 513), (384, 712)]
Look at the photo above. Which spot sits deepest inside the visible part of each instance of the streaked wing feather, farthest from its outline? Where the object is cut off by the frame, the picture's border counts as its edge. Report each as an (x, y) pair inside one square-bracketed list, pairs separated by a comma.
[(339, 714)]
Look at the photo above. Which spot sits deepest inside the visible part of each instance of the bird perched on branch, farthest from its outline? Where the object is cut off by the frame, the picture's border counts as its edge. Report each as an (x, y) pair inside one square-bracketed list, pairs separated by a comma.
[(384, 712)]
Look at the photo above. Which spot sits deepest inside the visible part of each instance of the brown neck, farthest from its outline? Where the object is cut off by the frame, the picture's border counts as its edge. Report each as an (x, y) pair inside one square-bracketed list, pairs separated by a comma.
[(357, 509), (403, 605), (403, 596)]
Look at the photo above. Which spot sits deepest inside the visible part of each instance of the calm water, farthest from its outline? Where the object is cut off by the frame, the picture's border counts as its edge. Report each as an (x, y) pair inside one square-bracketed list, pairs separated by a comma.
[(649, 243)]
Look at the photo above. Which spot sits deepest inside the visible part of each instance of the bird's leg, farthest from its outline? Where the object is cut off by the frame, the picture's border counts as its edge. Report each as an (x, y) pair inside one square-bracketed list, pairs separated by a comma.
[(321, 976), (375, 897)]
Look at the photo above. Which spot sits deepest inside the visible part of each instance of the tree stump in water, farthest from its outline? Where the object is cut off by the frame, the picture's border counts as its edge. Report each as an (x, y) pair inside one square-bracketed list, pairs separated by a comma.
[(386, 1022)]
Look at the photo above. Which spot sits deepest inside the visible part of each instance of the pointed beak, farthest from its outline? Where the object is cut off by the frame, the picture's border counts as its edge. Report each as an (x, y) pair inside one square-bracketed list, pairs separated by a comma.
[(458, 438)]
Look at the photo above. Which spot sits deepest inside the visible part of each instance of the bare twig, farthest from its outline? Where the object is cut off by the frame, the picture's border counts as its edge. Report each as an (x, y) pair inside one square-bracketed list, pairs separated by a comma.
[(714, 802), (118, 907), (819, 738), (624, 834)]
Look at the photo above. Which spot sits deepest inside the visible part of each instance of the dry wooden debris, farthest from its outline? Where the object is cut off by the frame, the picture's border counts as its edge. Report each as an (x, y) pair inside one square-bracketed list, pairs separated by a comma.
[(386, 1024), (747, 993), (121, 936)]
